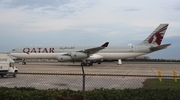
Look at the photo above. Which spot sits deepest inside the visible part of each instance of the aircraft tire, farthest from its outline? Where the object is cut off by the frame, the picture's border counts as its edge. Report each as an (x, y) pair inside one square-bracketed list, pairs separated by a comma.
[(83, 64), (24, 63), (14, 75), (91, 64), (2, 75), (99, 62)]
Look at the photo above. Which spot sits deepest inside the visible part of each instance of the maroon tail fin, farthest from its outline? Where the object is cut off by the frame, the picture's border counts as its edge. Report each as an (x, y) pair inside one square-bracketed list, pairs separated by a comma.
[(156, 37)]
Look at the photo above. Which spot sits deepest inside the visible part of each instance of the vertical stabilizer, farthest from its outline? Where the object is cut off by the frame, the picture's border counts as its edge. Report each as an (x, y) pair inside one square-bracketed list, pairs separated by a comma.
[(156, 37)]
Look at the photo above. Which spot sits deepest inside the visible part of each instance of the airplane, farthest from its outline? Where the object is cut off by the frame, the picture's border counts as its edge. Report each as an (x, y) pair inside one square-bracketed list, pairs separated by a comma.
[(90, 55)]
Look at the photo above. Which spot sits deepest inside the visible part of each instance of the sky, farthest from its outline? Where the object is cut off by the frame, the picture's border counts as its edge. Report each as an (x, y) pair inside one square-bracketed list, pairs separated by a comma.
[(88, 23)]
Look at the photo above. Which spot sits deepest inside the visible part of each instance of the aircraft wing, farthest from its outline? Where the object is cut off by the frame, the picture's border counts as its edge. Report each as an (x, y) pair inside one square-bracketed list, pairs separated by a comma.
[(96, 49), (91, 50)]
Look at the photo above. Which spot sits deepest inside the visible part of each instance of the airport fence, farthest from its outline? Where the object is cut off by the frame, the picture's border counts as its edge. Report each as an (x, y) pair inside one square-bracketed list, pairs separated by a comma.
[(76, 81)]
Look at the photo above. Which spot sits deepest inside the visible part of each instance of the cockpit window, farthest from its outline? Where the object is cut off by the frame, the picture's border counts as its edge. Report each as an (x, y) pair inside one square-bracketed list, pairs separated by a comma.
[(13, 49)]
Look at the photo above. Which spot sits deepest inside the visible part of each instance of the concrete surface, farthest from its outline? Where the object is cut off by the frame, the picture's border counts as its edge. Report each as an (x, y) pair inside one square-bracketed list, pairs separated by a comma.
[(74, 82)]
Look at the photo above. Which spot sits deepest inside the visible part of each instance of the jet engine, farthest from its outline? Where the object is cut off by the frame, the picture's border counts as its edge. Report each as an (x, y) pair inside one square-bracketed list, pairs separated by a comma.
[(72, 56), (78, 55), (64, 58)]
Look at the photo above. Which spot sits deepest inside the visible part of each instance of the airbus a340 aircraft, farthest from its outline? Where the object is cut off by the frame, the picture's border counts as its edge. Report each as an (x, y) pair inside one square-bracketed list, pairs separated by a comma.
[(89, 55)]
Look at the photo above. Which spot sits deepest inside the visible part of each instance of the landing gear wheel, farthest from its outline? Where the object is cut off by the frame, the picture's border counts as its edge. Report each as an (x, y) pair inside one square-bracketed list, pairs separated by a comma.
[(82, 64), (14, 75), (90, 64), (2, 75), (87, 64), (24, 63)]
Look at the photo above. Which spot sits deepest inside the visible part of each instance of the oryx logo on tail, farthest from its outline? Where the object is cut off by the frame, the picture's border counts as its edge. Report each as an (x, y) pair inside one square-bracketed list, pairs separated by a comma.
[(158, 36)]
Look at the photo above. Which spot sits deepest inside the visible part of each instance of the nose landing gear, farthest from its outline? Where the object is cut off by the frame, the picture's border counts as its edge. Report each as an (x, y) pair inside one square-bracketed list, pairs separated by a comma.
[(23, 61)]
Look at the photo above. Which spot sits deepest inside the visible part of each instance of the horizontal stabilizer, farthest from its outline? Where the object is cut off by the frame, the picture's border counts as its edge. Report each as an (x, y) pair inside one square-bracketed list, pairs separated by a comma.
[(159, 47)]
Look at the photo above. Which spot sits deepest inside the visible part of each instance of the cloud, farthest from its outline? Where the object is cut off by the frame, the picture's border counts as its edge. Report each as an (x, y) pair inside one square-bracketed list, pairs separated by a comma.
[(33, 3), (131, 9), (84, 22), (58, 15), (44, 17)]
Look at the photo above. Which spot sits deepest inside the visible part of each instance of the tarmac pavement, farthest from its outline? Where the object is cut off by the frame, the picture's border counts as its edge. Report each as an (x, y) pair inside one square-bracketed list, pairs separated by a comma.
[(75, 82)]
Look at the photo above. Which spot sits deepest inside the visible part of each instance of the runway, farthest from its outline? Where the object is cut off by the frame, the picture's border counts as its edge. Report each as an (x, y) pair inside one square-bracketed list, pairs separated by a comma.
[(105, 67), (75, 82)]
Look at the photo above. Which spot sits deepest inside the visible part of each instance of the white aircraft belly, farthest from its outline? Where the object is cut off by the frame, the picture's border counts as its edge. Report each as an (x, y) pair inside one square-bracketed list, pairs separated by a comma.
[(36, 55), (54, 55), (119, 55)]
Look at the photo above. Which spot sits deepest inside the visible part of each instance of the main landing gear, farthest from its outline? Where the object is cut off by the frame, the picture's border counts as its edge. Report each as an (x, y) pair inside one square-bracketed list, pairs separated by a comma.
[(86, 63), (89, 63)]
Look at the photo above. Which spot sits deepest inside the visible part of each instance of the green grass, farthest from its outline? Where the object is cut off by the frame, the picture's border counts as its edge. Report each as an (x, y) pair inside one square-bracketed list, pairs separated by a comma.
[(164, 84)]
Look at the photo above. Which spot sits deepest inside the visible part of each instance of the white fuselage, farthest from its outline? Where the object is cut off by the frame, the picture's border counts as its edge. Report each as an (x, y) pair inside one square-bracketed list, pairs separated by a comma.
[(54, 52)]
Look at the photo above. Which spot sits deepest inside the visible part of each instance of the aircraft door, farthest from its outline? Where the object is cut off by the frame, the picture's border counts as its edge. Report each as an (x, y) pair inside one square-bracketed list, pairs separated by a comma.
[(131, 48), (135, 49)]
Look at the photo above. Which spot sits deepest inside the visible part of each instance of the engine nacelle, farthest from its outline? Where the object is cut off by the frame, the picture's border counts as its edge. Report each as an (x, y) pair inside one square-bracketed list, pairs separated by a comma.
[(78, 55), (95, 57), (72, 56), (64, 58)]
